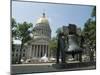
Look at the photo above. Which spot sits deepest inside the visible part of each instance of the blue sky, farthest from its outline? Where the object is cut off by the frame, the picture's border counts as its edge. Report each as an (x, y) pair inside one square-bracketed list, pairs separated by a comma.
[(58, 14)]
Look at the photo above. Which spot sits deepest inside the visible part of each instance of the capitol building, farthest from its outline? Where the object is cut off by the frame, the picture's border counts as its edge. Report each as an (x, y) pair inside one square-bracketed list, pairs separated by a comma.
[(38, 46)]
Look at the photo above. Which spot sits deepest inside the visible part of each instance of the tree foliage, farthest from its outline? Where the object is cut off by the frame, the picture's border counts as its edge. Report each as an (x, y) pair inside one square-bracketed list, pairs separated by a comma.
[(21, 31), (89, 30), (23, 34), (53, 45)]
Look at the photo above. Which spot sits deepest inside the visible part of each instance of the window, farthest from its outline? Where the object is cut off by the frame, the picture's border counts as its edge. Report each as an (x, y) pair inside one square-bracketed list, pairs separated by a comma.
[(23, 50), (13, 50), (17, 50), (16, 55), (12, 54), (23, 55)]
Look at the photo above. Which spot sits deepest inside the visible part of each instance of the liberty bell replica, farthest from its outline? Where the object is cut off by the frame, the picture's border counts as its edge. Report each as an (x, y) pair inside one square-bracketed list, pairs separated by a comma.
[(69, 43), (73, 43)]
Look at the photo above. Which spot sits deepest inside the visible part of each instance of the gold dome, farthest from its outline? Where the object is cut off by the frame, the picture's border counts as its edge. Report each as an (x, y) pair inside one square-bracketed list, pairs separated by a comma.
[(42, 20)]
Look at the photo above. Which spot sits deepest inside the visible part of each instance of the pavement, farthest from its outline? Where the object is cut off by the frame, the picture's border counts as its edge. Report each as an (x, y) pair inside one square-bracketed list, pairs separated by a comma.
[(50, 67)]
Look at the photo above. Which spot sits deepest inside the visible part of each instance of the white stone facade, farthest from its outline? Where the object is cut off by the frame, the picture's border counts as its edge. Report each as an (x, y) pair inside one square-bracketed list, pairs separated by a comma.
[(16, 53)]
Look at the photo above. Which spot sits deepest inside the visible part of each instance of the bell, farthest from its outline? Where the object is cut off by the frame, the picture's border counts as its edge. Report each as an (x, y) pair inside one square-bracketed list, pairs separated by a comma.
[(72, 39), (73, 47), (73, 44)]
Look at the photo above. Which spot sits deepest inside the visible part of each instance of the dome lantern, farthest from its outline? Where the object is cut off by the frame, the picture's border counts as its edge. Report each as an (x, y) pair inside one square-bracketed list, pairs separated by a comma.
[(43, 20), (44, 15)]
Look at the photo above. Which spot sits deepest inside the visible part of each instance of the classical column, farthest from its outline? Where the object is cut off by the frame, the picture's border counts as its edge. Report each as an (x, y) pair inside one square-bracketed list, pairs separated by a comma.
[(46, 50), (34, 50), (39, 50), (30, 54), (43, 50)]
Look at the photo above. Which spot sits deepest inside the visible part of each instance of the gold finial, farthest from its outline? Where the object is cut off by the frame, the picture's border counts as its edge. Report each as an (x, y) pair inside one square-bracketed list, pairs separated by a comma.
[(43, 14)]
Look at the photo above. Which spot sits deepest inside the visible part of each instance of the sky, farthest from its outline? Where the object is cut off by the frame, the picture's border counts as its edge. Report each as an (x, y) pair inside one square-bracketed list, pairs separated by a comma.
[(57, 14)]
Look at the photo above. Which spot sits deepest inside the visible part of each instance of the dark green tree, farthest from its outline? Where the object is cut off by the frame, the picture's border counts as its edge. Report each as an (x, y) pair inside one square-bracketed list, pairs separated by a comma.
[(53, 43), (53, 46), (89, 32), (90, 29), (23, 31)]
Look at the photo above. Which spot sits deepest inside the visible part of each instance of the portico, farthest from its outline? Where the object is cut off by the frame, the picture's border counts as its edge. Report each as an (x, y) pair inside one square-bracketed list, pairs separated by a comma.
[(39, 50)]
